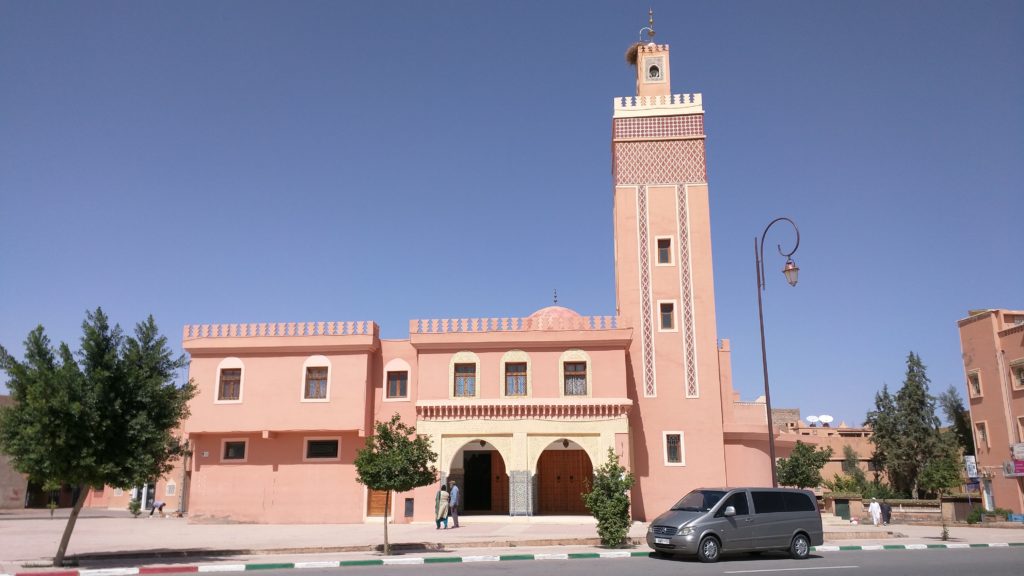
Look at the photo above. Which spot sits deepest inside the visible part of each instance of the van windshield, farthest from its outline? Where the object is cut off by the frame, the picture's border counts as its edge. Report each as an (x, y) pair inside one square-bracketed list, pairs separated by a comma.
[(699, 500)]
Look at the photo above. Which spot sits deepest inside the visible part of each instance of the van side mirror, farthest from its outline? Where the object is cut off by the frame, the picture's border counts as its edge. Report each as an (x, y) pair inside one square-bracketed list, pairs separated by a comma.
[(729, 511)]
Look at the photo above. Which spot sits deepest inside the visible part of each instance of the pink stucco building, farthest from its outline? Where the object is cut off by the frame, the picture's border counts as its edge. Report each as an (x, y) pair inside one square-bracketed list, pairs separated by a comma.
[(520, 410), (992, 342)]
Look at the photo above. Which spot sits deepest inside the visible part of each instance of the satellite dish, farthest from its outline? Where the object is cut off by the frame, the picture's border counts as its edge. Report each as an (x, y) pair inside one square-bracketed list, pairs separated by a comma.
[(813, 420), (825, 420)]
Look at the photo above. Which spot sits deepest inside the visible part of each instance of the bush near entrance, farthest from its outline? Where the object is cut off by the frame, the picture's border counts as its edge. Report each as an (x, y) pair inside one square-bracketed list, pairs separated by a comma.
[(608, 501)]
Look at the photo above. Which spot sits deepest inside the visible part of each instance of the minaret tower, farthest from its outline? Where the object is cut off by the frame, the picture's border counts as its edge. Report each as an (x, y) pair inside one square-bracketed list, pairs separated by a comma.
[(664, 284)]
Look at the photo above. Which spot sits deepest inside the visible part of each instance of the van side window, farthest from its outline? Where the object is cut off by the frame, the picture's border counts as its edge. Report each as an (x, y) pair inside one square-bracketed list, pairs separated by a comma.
[(737, 501), (798, 502), (768, 502)]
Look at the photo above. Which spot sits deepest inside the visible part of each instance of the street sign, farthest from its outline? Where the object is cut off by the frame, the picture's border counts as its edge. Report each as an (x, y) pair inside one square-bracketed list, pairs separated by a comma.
[(972, 467)]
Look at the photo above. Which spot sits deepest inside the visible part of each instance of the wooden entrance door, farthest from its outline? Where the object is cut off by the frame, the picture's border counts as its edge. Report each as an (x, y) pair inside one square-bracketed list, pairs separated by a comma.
[(376, 502), (562, 478)]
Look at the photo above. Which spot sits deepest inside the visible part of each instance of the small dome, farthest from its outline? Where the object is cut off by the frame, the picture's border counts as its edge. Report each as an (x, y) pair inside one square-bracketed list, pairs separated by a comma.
[(553, 312)]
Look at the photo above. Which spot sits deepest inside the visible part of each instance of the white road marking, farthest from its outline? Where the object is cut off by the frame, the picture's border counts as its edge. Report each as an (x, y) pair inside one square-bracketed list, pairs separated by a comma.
[(791, 569)]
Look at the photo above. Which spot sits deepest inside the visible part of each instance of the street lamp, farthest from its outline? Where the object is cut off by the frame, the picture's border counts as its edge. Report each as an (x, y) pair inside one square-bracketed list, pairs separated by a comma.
[(791, 271)]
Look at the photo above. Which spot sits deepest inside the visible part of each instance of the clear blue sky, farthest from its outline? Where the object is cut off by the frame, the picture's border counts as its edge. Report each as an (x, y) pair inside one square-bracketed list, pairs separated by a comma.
[(293, 161)]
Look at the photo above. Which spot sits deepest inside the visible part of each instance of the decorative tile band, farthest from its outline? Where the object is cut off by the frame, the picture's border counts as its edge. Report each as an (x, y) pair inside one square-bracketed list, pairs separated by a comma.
[(686, 294), (646, 311), (658, 127), (660, 162), (278, 329)]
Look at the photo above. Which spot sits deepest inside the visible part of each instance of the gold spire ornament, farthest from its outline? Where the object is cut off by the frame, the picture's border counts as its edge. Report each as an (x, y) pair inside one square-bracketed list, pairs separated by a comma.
[(631, 53)]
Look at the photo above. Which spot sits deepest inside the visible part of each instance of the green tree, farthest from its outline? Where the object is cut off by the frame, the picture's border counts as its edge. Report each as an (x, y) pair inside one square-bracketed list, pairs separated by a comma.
[(959, 418), (608, 501), (906, 430), (803, 467), (941, 473), (851, 465), (105, 418), (395, 459)]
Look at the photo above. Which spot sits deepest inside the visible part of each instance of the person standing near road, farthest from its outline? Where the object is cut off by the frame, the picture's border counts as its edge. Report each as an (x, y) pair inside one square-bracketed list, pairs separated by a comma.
[(441, 507), (876, 511), (453, 503)]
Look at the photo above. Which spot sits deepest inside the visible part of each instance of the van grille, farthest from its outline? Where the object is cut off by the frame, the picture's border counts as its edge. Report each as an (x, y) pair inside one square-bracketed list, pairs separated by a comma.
[(664, 530)]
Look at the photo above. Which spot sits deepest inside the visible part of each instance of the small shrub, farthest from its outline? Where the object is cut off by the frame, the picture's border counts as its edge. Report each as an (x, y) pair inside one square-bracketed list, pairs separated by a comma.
[(609, 502), (135, 507)]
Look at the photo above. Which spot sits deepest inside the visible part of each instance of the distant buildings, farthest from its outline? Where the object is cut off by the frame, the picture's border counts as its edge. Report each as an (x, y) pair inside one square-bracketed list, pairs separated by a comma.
[(13, 484), (992, 343)]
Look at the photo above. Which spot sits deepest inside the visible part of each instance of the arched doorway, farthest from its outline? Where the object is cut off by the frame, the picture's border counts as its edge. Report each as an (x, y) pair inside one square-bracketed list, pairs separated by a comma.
[(564, 473), (480, 472)]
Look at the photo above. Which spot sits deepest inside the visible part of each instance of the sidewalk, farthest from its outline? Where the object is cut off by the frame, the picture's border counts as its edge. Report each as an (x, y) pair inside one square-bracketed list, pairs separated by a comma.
[(105, 539)]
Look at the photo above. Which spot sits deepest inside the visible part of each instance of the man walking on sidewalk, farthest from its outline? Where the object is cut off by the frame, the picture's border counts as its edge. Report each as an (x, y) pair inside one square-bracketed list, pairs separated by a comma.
[(454, 503)]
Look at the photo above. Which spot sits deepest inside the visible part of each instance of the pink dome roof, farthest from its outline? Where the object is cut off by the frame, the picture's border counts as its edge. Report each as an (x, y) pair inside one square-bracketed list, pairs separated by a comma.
[(553, 312)]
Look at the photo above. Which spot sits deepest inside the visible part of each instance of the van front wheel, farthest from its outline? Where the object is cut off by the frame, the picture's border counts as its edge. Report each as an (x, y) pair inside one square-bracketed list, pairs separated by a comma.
[(800, 548), (708, 550)]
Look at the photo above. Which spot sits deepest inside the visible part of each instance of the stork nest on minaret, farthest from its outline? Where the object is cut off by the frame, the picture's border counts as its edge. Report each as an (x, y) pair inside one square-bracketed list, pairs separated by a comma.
[(631, 53)]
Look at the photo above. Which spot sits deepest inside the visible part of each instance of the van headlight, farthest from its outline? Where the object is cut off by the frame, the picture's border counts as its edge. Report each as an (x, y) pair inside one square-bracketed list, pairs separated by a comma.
[(685, 531)]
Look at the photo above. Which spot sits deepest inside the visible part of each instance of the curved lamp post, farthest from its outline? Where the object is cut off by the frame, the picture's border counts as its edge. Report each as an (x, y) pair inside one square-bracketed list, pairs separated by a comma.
[(791, 271)]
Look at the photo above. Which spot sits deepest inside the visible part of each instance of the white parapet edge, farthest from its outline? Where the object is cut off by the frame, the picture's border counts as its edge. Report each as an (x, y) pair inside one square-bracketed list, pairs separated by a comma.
[(659, 107)]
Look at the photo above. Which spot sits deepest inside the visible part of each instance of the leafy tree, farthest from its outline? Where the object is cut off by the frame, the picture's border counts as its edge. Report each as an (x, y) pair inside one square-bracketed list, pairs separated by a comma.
[(941, 473), (608, 501), (803, 467), (105, 418), (851, 464), (395, 459), (959, 418), (906, 432)]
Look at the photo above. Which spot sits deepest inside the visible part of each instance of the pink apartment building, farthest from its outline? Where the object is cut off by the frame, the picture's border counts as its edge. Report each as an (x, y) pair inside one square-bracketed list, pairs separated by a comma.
[(520, 410), (992, 342)]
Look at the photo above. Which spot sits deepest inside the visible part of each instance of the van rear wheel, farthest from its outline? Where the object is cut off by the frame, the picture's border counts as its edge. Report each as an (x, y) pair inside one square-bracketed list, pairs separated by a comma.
[(800, 548), (708, 550)]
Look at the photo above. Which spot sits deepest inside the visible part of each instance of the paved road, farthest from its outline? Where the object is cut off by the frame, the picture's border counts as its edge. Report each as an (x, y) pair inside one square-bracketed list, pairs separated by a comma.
[(990, 562)]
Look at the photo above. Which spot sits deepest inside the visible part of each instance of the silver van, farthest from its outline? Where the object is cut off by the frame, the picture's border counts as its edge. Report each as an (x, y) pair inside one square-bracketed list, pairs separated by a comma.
[(711, 521)]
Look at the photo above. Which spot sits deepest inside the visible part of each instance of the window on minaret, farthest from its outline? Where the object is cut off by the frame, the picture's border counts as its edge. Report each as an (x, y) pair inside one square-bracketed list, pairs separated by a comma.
[(316, 382), (515, 379), (465, 380), (664, 250), (974, 384), (668, 315), (575, 378)]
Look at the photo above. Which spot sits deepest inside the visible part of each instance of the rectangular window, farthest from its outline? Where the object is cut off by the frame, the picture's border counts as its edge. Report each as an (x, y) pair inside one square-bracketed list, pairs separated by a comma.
[(465, 380), (982, 431), (673, 448), (235, 449), (738, 502), (230, 384), (515, 379), (766, 502), (848, 467), (667, 311), (1018, 376), (974, 384), (321, 449), (316, 383), (171, 490), (1020, 426), (664, 250), (575, 378), (398, 384)]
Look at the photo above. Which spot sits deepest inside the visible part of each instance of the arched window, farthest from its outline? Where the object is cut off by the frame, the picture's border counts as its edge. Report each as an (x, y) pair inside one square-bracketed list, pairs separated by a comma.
[(463, 375), (316, 379), (575, 374), (396, 380), (516, 374), (230, 378)]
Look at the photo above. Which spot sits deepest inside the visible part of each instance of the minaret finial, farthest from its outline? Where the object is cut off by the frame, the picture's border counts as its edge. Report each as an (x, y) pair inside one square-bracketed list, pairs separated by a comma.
[(649, 28), (556, 295)]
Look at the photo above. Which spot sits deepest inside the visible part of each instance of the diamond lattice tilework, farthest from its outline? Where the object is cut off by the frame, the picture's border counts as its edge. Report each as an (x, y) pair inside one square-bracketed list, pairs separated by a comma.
[(661, 161), (658, 126), (646, 311), (686, 298)]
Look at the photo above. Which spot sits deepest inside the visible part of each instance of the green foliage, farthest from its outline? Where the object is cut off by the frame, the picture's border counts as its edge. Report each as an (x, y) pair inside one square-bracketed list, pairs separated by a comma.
[(106, 417), (905, 432), (959, 418), (941, 473), (135, 507), (608, 501), (851, 463), (977, 512), (803, 467), (395, 459)]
